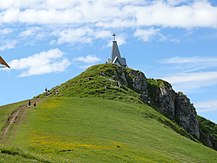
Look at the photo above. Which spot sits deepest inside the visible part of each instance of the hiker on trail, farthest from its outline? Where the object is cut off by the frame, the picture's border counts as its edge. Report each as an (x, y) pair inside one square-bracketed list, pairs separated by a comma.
[(34, 105), (46, 91), (29, 103)]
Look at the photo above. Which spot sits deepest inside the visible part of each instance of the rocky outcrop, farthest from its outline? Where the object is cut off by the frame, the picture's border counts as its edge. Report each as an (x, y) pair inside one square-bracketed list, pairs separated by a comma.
[(208, 132), (159, 93), (175, 106), (208, 140), (186, 116), (114, 82), (162, 97), (134, 80), (138, 82)]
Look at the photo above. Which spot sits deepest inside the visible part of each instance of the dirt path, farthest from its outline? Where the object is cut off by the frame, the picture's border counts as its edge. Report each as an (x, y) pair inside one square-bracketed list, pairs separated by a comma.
[(15, 116)]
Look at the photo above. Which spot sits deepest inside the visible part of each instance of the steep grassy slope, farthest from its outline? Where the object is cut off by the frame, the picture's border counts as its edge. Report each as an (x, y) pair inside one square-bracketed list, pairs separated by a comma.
[(5, 112), (109, 81), (13, 154), (100, 81), (96, 130), (100, 116)]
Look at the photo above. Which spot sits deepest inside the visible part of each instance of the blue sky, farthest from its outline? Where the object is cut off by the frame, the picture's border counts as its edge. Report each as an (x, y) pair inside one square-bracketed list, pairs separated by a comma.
[(47, 42)]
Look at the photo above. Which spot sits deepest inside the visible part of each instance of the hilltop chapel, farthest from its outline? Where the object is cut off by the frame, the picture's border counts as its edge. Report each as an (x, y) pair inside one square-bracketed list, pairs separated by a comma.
[(116, 56)]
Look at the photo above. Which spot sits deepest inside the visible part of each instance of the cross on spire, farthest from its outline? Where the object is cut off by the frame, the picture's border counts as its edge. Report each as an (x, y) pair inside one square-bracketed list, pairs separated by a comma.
[(116, 56), (114, 36)]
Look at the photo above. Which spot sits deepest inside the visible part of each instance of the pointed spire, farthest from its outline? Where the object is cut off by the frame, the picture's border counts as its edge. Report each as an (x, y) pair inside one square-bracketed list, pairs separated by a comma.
[(115, 51), (116, 56), (114, 36)]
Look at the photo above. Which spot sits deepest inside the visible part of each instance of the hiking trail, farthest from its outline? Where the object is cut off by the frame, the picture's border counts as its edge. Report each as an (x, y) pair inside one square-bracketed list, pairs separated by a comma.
[(15, 116)]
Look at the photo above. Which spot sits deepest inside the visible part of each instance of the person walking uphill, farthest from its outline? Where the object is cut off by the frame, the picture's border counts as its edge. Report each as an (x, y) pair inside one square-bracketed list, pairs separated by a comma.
[(34, 105), (29, 103)]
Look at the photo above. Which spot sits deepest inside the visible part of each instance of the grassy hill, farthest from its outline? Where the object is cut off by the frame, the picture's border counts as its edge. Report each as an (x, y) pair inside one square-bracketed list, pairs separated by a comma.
[(11, 153), (97, 81), (95, 118), (71, 129)]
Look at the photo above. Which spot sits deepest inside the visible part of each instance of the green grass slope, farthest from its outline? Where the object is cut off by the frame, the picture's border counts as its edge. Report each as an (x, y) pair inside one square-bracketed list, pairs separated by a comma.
[(10, 154), (13, 154), (10, 158), (5, 112), (97, 81), (94, 119), (73, 129)]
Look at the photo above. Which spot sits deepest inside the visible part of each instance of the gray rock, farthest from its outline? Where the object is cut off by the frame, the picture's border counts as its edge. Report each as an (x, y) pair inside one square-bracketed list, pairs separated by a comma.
[(186, 115), (175, 106), (138, 82), (164, 99)]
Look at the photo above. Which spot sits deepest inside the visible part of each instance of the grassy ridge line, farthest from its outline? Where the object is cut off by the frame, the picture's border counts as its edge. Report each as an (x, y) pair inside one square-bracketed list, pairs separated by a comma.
[(101, 81), (97, 81), (96, 130)]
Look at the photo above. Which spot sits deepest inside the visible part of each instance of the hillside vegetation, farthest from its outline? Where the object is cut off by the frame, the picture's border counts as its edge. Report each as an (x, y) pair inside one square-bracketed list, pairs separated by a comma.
[(208, 132), (5, 112), (96, 130), (97, 81), (14, 154), (107, 114)]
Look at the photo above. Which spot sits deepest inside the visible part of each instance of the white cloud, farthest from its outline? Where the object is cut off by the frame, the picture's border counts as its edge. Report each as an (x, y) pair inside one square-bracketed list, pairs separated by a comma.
[(151, 33), (190, 73), (8, 45), (103, 34), (86, 21), (26, 33), (190, 60), (111, 13), (192, 64), (207, 106), (79, 35), (87, 59), (29, 32), (6, 31), (59, 4), (83, 35), (75, 22), (198, 14), (190, 81), (41, 63), (146, 34), (193, 77), (34, 33), (18, 4)]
